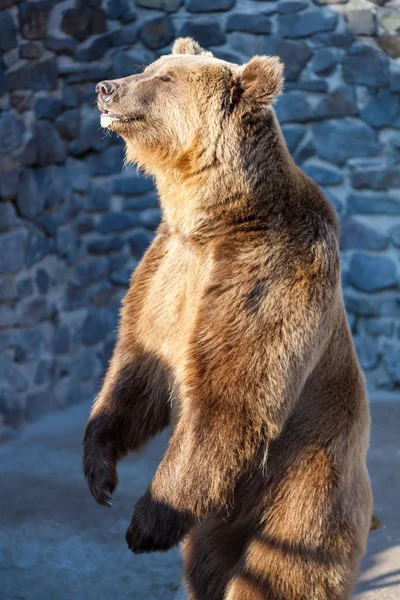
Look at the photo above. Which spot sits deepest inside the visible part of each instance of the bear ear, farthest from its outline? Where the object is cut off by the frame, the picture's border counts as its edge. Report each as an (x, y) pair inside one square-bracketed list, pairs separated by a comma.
[(261, 79), (189, 46)]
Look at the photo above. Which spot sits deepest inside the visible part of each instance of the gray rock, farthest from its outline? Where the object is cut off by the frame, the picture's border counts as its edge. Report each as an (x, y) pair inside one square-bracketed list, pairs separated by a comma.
[(11, 131), (166, 5), (68, 124), (42, 281), (374, 174), (98, 199), (366, 65), (28, 345), (25, 288), (367, 352), (8, 288), (373, 204), (291, 6), (382, 109), (101, 293), (8, 216), (11, 408), (209, 5), (157, 33), (9, 176), (38, 76), (390, 44), (206, 31), (84, 366), (94, 328), (354, 235), (128, 62), (307, 23), (91, 136), (250, 23), (48, 107), (30, 200), (95, 48), (84, 21), (335, 39), (91, 269), (46, 145), (30, 51), (340, 102), (132, 184), (34, 312), (310, 85), (61, 340), (372, 273), (121, 276), (395, 235), (126, 36), (7, 315), (12, 251), (150, 218), (325, 60), (55, 186), (323, 174), (108, 162), (11, 376), (293, 134), (33, 19), (139, 241), (61, 45), (294, 106), (67, 242), (37, 246), (338, 140), (8, 31), (391, 361), (104, 245), (361, 22), (78, 174), (379, 326), (117, 221)]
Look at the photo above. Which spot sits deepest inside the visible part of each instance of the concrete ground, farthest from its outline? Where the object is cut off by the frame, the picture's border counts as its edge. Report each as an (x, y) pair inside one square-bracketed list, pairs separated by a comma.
[(57, 544)]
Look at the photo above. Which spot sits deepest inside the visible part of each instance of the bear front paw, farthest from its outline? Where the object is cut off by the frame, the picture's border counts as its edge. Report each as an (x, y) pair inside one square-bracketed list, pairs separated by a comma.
[(155, 526), (100, 469)]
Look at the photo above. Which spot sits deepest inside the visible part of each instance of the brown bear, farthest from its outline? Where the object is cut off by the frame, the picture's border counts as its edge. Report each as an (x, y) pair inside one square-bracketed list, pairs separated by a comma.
[(234, 331)]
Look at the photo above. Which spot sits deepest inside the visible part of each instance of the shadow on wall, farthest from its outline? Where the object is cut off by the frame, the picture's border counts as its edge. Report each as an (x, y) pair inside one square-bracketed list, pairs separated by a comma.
[(73, 223)]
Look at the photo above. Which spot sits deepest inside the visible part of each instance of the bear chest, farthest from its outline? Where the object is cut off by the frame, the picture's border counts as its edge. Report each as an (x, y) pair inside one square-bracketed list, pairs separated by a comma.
[(172, 303)]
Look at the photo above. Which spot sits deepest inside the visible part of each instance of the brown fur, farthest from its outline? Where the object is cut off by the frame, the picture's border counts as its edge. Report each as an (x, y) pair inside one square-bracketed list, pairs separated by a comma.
[(235, 319)]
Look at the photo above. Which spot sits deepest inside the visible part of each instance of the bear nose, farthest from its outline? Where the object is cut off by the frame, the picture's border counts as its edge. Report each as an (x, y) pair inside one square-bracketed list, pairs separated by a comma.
[(105, 89)]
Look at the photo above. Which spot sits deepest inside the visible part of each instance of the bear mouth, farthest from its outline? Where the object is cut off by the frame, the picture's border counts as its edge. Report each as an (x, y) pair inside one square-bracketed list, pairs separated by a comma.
[(108, 117)]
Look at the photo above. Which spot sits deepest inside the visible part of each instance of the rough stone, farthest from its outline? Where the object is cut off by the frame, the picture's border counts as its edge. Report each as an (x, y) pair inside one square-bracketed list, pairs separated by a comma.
[(37, 404), (67, 242), (11, 376), (366, 65), (366, 352), (250, 23), (116, 221), (84, 366), (37, 246), (47, 147), (128, 62), (55, 186), (166, 5), (361, 22), (340, 102), (307, 23), (91, 269), (150, 218), (48, 108), (11, 131), (325, 60), (98, 199), (30, 200), (197, 6), (28, 345), (8, 31), (373, 204), (294, 106), (372, 273), (9, 176), (38, 76), (323, 174), (108, 162), (67, 124), (25, 288), (84, 21), (374, 174), (33, 19), (30, 51), (95, 48), (132, 184), (42, 281), (383, 109), (338, 140), (158, 32), (94, 328), (78, 174), (139, 241), (379, 326), (391, 361), (102, 293), (8, 216), (125, 36), (390, 44), (61, 45), (61, 340), (105, 245), (206, 32), (293, 134), (354, 235), (8, 288), (120, 10), (12, 254), (291, 6), (335, 39)]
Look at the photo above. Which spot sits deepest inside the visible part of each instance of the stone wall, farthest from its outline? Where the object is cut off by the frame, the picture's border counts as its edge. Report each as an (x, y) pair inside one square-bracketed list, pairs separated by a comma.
[(74, 223)]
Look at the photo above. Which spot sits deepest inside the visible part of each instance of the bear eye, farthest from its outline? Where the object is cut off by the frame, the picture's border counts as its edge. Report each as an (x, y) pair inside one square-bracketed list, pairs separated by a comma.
[(164, 78)]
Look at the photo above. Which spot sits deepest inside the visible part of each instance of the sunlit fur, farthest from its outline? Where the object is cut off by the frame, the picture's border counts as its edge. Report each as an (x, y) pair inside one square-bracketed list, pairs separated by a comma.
[(234, 331)]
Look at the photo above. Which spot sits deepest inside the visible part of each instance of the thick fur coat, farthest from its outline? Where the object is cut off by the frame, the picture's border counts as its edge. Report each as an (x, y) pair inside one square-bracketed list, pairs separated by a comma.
[(234, 331)]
